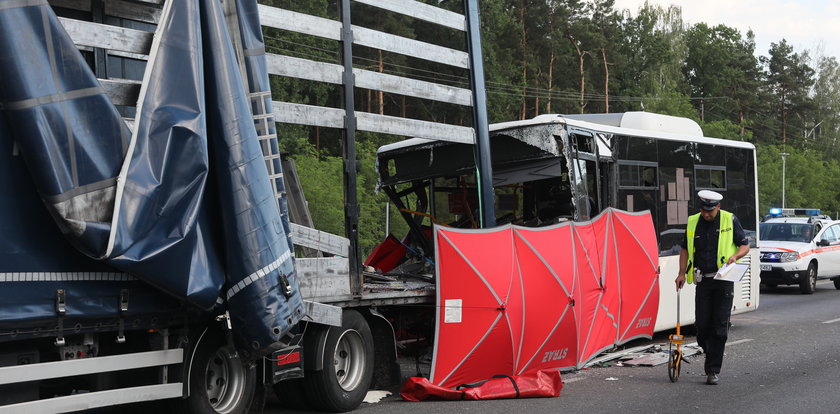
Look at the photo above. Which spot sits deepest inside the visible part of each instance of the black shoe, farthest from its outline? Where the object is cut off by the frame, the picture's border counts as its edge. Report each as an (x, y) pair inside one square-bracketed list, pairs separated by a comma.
[(712, 379)]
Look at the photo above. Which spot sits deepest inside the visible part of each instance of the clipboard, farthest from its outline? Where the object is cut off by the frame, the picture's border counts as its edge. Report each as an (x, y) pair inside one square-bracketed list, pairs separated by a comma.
[(732, 272)]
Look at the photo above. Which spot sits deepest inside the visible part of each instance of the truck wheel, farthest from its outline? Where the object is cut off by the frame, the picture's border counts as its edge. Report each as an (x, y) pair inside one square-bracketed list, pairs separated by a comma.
[(836, 281), (348, 366), (220, 381), (809, 284)]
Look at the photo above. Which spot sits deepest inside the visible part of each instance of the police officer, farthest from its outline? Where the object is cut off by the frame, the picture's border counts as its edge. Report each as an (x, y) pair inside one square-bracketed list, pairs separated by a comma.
[(714, 237)]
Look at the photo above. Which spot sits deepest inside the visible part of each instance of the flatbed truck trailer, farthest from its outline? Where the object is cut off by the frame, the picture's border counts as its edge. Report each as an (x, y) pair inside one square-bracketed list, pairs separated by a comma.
[(78, 330)]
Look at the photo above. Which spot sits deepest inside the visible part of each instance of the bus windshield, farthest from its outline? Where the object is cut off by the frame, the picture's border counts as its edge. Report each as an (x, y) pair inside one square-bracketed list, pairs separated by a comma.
[(792, 232)]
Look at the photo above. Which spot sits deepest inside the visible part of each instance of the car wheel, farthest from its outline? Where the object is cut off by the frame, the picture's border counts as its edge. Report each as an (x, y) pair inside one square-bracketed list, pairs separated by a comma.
[(809, 284), (836, 281)]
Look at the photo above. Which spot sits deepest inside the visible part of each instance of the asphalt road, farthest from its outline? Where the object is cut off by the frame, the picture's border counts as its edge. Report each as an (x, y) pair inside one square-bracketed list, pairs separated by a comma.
[(782, 358)]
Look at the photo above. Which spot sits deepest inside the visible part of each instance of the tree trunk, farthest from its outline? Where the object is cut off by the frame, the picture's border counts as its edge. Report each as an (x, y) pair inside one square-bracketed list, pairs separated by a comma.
[(580, 55), (550, 83), (582, 81), (606, 81), (784, 122)]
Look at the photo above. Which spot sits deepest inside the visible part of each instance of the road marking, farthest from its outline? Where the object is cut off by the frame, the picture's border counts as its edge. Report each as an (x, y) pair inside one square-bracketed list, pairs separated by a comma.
[(832, 321), (740, 341)]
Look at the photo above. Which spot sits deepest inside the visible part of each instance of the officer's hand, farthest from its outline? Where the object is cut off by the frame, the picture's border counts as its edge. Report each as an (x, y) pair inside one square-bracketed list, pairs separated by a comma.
[(731, 260), (680, 281)]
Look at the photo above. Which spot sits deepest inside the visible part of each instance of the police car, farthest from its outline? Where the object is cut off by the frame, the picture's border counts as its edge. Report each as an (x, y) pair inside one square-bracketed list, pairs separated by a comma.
[(799, 250)]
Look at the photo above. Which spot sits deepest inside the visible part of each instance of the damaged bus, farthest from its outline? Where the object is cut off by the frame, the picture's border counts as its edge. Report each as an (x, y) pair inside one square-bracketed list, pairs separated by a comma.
[(556, 168)]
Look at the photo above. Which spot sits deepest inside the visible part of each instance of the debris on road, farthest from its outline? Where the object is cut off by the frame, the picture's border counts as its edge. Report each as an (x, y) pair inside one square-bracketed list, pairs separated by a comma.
[(650, 355), (375, 396)]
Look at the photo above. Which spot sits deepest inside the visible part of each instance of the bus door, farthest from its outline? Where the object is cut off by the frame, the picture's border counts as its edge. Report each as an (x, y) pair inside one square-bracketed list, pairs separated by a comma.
[(608, 190), (585, 176)]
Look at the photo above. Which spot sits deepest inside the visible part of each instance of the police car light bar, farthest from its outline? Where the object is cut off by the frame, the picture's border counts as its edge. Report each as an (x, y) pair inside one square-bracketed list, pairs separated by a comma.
[(796, 211)]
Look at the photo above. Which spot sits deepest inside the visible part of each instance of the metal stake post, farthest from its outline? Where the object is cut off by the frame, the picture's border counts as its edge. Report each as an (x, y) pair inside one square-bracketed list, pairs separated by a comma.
[(484, 167)]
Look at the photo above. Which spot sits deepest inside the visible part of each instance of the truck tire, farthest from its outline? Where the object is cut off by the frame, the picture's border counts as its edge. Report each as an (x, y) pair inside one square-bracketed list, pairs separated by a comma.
[(348, 366), (809, 284), (220, 382)]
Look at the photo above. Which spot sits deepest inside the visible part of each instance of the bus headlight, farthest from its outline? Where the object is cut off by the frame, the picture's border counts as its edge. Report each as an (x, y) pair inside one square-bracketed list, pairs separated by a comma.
[(789, 256)]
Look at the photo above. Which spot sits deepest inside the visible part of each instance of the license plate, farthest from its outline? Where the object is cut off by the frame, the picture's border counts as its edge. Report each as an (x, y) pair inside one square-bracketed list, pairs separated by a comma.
[(766, 268)]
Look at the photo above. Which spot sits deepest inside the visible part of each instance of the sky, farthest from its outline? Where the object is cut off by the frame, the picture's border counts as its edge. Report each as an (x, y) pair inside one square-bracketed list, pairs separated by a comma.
[(805, 24)]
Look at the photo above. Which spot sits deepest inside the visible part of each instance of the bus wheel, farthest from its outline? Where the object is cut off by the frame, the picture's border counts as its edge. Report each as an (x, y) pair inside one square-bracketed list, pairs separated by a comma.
[(836, 281), (220, 381), (809, 284), (348, 366)]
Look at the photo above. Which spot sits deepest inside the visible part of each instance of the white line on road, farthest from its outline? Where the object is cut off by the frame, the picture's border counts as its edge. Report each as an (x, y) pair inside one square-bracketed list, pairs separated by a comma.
[(740, 341), (832, 321)]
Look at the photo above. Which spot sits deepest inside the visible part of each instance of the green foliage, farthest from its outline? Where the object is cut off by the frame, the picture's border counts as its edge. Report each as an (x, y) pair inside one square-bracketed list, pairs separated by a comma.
[(789, 78), (725, 129), (670, 103), (826, 118), (322, 181), (722, 72), (810, 180)]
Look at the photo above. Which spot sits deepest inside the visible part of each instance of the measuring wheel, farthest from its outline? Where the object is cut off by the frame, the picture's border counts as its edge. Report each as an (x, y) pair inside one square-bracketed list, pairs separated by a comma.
[(674, 363), (675, 358)]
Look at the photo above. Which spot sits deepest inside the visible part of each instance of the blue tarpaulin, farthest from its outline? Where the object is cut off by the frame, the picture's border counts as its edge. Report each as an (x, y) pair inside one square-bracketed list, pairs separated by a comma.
[(182, 200)]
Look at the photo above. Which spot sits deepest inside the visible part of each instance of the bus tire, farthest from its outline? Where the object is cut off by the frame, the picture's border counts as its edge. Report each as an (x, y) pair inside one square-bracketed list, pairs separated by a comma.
[(348, 366), (809, 284), (220, 382), (836, 281)]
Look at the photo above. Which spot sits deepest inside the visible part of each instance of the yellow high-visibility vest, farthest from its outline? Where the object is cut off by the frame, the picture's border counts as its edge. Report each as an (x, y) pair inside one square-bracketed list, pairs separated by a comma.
[(726, 245)]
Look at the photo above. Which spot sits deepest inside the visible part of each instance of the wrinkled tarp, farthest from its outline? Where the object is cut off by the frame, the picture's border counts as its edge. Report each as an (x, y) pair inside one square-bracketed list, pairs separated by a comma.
[(542, 383), (36, 261), (513, 300), (183, 201)]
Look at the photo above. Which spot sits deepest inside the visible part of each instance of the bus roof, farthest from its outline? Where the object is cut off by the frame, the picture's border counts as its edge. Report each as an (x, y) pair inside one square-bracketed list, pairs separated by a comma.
[(640, 124)]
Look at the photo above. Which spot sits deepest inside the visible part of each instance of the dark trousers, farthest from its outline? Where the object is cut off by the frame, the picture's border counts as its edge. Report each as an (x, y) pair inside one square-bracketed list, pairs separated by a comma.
[(713, 306)]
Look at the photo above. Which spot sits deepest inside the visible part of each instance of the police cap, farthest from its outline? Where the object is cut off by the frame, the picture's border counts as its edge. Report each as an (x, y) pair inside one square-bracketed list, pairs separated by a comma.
[(709, 199)]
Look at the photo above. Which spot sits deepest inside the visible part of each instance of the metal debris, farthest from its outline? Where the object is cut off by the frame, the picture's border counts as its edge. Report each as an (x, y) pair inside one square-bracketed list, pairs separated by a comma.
[(659, 358), (649, 355), (375, 396), (618, 354)]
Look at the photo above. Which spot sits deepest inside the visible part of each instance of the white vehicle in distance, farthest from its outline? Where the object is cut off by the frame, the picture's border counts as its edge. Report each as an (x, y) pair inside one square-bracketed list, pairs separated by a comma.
[(799, 250)]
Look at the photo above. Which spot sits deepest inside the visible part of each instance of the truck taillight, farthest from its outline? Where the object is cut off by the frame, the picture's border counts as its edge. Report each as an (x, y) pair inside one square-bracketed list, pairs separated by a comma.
[(287, 359)]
